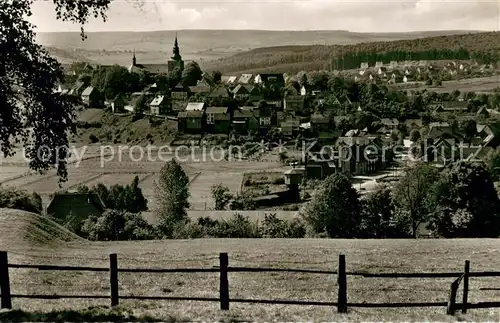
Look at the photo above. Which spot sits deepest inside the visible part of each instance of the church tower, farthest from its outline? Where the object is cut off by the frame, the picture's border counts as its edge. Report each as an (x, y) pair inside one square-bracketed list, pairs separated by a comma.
[(134, 60), (176, 59)]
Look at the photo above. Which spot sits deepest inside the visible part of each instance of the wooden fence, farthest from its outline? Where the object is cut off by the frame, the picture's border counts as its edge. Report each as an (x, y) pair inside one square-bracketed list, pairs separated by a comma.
[(224, 299)]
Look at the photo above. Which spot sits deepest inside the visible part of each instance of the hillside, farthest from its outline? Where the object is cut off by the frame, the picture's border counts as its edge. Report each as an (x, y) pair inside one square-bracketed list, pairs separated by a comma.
[(200, 45), (25, 230), (314, 57)]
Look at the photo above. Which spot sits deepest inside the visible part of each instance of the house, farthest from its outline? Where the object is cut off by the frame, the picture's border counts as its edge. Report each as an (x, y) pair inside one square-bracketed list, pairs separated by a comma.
[(293, 103), (364, 65), (414, 123), (61, 88), (379, 64), (255, 94), (246, 119), (206, 79), (228, 80), (396, 77), (303, 90), (245, 79), (195, 106), (199, 89), (159, 105), (91, 97), (455, 107), (360, 155), (218, 120), (320, 123), (219, 92), (290, 126), (131, 105), (390, 123), (438, 129), (74, 206), (118, 104), (190, 121), (382, 70), (267, 117), (179, 93), (240, 92), (268, 80), (77, 88)]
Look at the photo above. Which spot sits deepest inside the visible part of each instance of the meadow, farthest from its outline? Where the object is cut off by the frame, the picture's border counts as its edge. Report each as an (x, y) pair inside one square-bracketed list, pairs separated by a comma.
[(116, 168), (28, 246), (477, 84)]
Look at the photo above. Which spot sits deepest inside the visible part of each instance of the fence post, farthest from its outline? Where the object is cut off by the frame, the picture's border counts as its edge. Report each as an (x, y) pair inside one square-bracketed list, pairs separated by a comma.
[(466, 286), (4, 281), (450, 309), (342, 282), (113, 278), (224, 283)]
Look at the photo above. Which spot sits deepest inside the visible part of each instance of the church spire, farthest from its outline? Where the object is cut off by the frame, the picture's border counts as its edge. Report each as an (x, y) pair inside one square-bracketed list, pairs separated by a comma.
[(134, 60), (176, 51)]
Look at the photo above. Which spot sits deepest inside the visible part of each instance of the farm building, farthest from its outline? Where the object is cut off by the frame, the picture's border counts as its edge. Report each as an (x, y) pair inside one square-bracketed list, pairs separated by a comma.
[(159, 105), (218, 120), (190, 121), (245, 119), (90, 97), (74, 206)]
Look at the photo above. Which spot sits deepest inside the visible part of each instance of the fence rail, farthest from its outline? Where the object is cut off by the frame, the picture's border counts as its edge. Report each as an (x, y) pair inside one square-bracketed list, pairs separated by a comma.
[(224, 299)]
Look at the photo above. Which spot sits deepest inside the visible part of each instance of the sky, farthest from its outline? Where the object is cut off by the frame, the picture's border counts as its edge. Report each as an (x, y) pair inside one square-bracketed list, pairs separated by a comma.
[(354, 15)]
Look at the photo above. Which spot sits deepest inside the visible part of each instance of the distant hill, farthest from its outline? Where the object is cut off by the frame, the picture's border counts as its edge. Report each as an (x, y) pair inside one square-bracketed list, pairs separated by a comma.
[(200, 45), (316, 57)]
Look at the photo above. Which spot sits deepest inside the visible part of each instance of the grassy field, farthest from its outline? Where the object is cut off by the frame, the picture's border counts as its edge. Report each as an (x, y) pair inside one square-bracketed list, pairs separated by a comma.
[(121, 168), (477, 84), (361, 255)]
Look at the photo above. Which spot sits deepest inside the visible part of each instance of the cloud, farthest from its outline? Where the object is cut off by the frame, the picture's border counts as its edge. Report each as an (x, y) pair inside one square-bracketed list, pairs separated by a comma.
[(361, 16)]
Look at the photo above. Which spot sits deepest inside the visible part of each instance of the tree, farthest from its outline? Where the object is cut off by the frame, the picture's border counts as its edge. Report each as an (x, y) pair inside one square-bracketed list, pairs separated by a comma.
[(465, 202), (469, 130), (492, 162), (334, 208), (116, 81), (173, 194), (411, 194), (216, 76), (191, 74), (120, 197), (415, 135), (115, 225), (378, 214), (221, 195), (31, 113)]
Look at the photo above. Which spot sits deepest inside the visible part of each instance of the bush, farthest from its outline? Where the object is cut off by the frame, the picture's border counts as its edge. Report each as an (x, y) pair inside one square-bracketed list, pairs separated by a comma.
[(243, 202), (93, 138), (239, 226), (279, 181), (283, 157), (87, 125), (273, 227), (12, 198), (115, 225)]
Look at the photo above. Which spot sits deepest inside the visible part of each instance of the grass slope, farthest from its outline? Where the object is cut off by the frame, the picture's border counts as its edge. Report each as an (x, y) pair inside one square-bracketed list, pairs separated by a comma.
[(121, 129), (361, 255), (316, 57), (20, 229), (200, 45)]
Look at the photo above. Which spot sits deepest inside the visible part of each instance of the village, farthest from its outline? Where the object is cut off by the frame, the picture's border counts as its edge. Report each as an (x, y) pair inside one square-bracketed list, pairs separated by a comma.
[(286, 107)]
